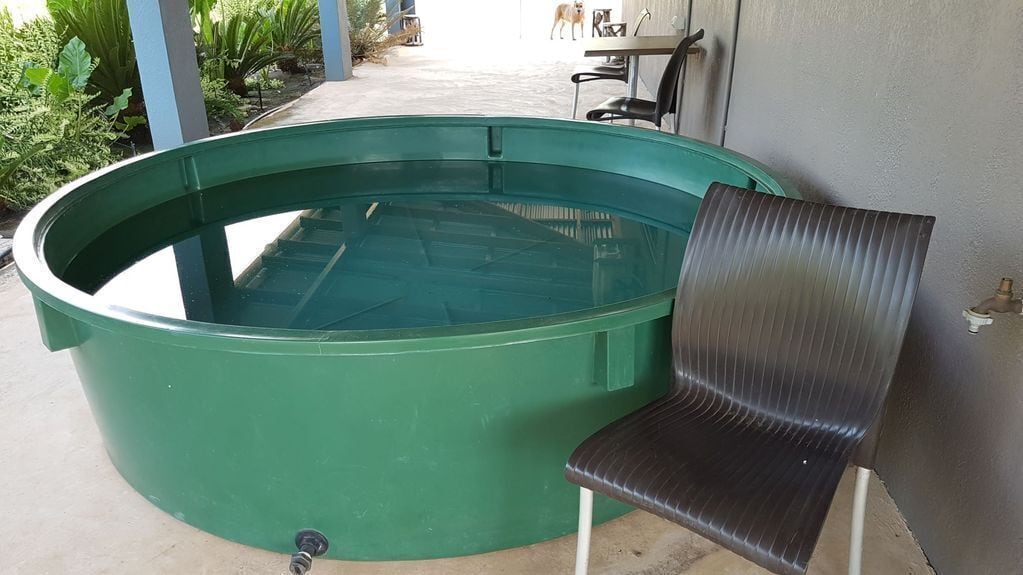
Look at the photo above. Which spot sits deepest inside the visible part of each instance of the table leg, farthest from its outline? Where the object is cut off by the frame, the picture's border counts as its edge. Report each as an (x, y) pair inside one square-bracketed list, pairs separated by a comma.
[(633, 79)]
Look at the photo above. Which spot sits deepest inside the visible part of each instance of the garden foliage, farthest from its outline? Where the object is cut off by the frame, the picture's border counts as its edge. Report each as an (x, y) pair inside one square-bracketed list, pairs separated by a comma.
[(70, 87), (103, 26), (370, 39), (53, 130)]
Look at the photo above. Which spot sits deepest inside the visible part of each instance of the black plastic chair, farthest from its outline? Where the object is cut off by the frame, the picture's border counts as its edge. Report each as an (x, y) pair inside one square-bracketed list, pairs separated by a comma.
[(788, 321), (599, 16), (622, 108), (618, 72)]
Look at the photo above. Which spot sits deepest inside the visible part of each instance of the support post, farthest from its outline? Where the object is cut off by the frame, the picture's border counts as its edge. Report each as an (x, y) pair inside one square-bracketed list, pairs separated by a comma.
[(337, 47), (165, 51), (204, 272), (582, 547), (393, 8), (859, 512), (176, 114)]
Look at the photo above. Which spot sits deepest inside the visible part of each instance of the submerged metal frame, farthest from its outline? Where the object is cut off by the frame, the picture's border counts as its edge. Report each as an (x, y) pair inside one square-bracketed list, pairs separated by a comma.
[(177, 115)]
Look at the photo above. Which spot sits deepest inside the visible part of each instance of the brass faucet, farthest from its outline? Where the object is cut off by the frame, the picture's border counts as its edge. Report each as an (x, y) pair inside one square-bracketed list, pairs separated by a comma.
[(1002, 302)]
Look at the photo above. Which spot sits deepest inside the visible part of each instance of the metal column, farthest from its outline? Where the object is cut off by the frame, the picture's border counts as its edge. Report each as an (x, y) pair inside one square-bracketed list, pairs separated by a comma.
[(337, 48), (165, 51)]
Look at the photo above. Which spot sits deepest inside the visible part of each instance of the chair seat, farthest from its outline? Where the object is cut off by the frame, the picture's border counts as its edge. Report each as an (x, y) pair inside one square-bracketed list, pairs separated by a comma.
[(621, 107), (600, 72), (684, 462)]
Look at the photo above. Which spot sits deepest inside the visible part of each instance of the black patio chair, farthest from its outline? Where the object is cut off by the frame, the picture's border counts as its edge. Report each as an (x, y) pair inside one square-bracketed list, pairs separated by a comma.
[(609, 71), (622, 108), (599, 16), (788, 321)]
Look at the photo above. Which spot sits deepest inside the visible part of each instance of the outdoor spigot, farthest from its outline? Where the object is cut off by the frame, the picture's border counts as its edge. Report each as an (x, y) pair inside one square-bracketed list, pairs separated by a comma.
[(976, 320), (1002, 302), (311, 543)]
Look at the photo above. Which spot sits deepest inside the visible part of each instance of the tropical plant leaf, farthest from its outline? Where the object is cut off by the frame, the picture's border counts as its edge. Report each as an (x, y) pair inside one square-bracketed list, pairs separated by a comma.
[(294, 26), (201, 11), (36, 76), (241, 45), (104, 28), (59, 87), (119, 103), (130, 122), (11, 168), (51, 132), (75, 63)]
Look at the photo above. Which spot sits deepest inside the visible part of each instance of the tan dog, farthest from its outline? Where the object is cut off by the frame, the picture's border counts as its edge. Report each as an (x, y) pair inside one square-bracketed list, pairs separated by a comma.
[(573, 14)]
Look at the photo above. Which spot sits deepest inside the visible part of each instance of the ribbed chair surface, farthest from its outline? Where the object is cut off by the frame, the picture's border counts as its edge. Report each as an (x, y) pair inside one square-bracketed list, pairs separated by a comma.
[(788, 322)]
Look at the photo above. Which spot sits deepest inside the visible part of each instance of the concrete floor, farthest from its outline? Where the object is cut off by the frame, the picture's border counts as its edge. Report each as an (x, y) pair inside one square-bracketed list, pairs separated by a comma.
[(529, 80), (65, 509)]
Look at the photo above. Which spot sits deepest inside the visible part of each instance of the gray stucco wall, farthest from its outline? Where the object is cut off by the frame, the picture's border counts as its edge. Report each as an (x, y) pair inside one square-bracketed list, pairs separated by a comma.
[(912, 106)]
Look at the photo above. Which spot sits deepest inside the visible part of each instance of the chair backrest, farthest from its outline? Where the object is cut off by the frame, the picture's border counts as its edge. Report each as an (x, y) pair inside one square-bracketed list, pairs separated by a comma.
[(644, 15), (791, 314), (668, 86)]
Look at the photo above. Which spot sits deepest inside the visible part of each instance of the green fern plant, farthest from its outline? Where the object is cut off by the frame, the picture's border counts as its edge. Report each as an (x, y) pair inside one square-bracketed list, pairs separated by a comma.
[(223, 106), (51, 130)]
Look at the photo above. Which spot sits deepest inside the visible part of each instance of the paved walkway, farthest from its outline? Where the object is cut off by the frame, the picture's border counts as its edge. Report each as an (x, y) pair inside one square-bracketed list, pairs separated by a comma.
[(65, 509), (524, 79)]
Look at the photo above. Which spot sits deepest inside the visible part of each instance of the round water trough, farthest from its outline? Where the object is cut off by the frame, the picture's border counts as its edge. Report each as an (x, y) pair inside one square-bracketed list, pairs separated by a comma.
[(393, 331)]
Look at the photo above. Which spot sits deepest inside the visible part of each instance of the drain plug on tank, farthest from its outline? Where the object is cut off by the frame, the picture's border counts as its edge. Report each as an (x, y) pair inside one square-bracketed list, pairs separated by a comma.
[(311, 543)]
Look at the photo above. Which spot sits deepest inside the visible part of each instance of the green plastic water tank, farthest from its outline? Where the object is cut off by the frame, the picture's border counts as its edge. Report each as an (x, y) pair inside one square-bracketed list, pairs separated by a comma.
[(446, 308)]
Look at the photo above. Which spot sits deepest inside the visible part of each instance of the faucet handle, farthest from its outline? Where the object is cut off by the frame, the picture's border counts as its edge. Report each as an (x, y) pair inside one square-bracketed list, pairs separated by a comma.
[(976, 320)]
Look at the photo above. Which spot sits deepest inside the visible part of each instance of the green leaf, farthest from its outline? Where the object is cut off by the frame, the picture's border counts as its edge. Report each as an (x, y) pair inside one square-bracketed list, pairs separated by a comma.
[(119, 103), (58, 87), (36, 75), (75, 64), (130, 122)]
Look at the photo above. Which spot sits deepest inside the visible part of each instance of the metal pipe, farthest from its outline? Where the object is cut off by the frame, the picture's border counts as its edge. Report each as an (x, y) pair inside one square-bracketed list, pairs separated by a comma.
[(859, 512), (582, 548), (731, 71), (575, 101), (1002, 301), (680, 87), (633, 76), (310, 543)]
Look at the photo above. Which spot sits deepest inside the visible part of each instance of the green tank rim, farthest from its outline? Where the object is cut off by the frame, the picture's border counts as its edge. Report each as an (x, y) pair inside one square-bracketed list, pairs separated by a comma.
[(68, 313)]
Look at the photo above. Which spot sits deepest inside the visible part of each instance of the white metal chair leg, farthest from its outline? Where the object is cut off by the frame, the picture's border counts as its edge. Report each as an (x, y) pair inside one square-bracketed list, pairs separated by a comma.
[(575, 101), (859, 512), (582, 547)]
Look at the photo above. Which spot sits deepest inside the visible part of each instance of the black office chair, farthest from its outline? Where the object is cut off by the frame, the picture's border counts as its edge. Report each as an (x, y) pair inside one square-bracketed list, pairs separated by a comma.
[(622, 108), (590, 73), (788, 321)]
